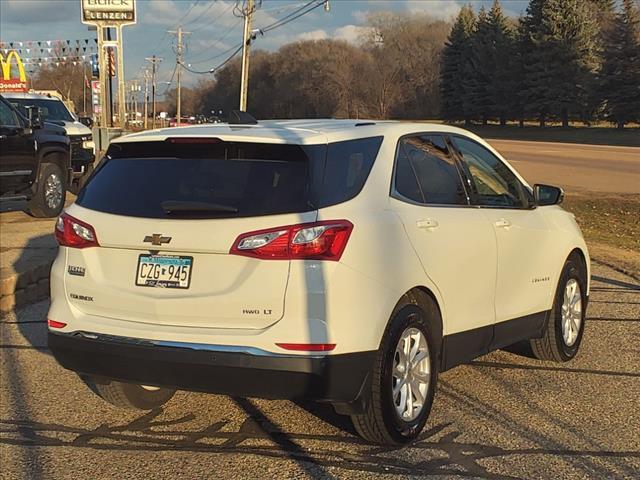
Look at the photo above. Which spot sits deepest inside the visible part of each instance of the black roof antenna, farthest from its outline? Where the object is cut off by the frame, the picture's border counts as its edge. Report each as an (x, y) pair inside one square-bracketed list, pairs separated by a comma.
[(238, 117)]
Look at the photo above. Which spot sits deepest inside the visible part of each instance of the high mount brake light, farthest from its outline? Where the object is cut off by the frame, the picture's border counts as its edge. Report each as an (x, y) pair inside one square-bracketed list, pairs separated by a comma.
[(324, 240), (198, 140), (71, 232)]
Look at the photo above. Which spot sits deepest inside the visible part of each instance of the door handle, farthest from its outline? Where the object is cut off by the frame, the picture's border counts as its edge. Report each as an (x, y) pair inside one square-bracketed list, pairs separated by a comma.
[(427, 223), (503, 223)]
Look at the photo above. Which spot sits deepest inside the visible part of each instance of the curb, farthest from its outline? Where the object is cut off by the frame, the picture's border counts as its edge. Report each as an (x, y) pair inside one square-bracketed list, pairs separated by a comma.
[(21, 289)]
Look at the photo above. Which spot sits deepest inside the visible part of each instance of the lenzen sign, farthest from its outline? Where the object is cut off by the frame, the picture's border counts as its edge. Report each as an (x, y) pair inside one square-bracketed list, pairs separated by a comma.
[(109, 11)]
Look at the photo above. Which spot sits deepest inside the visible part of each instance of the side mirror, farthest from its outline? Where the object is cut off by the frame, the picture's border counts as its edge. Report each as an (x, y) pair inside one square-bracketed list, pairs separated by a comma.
[(547, 195), (35, 117), (86, 121)]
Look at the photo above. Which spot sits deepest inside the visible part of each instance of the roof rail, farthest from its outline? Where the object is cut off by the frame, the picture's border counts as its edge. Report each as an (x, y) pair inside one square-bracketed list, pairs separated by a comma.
[(238, 117)]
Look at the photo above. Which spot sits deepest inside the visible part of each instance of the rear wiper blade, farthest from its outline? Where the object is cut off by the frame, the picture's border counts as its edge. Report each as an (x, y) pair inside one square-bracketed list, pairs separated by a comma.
[(180, 206)]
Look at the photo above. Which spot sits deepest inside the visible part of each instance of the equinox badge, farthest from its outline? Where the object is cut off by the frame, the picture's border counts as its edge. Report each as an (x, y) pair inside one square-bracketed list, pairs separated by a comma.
[(157, 239)]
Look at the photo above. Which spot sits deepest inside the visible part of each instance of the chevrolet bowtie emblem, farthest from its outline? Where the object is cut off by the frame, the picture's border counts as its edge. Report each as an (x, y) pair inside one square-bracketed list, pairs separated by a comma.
[(157, 239)]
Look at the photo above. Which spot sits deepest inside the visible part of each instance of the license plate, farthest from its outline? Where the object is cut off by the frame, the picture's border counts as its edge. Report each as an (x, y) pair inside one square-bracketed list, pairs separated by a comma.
[(164, 271)]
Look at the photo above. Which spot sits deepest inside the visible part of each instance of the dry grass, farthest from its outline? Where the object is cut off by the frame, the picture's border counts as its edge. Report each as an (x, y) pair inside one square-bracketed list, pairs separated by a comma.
[(611, 227)]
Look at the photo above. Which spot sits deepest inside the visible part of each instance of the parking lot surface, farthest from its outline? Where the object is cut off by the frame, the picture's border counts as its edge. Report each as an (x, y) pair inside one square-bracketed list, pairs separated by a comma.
[(504, 416)]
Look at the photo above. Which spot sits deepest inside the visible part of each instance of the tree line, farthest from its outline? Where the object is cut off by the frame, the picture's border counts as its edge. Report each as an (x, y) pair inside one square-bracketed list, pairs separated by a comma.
[(392, 73), (564, 60)]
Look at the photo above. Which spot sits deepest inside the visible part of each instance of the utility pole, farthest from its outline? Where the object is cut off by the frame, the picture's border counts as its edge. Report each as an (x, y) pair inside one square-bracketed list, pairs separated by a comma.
[(179, 51), (154, 62), (146, 96), (246, 46)]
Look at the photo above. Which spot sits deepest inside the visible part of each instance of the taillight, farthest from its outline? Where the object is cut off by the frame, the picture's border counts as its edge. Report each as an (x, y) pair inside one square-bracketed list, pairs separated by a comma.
[(56, 324), (312, 241), (71, 232), (308, 347)]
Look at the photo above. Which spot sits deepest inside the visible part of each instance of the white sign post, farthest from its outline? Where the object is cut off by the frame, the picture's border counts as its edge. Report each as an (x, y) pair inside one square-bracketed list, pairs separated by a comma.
[(105, 14)]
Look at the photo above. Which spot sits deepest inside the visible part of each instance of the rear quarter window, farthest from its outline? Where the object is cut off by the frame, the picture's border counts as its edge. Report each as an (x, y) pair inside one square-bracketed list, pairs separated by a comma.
[(347, 168)]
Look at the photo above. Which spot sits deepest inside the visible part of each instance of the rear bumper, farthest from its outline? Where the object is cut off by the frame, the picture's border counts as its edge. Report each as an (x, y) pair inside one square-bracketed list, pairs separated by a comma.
[(337, 379)]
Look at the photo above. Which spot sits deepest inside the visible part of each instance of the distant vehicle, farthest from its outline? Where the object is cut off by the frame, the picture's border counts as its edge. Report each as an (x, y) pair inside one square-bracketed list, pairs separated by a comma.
[(342, 261), (35, 162), (55, 111), (173, 122)]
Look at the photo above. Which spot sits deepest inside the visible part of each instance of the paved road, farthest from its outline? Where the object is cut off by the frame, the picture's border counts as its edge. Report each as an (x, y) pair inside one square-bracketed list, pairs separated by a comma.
[(504, 416), (575, 167)]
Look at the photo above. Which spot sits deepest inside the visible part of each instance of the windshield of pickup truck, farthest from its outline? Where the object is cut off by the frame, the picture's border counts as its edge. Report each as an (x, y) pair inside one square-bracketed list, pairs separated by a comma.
[(51, 109)]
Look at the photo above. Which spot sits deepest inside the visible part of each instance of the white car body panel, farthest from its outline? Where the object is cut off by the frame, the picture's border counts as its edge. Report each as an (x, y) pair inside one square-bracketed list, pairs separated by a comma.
[(347, 302)]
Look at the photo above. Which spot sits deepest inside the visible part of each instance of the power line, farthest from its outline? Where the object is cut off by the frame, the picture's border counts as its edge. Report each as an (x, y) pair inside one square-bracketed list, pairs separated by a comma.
[(290, 18), (221, 54), (188, 12), (277, 24), (212, 70), (215, 42), (170, 82), (206, 24)]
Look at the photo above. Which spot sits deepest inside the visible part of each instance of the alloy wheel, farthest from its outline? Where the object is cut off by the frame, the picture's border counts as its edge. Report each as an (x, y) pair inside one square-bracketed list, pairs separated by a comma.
[(571, 312), (411, 374), (53, 191)]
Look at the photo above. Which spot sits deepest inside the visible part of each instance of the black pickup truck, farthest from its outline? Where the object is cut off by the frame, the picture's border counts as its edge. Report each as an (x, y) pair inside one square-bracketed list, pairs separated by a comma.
[(35, 161)]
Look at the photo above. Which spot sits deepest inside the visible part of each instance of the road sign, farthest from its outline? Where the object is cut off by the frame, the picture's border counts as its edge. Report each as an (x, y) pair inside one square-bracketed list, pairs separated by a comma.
[(109, 12), (108, 15)]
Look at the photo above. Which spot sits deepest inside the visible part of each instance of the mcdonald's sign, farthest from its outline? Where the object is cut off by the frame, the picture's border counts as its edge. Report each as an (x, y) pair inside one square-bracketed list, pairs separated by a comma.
[(8, 82)]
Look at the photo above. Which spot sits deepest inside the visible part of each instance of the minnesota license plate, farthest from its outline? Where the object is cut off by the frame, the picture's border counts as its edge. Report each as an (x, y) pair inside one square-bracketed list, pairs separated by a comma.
[(164, 271)]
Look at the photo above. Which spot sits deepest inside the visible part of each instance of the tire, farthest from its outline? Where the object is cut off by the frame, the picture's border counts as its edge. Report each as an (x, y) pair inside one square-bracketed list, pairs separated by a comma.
[(558, 344), (48, 199), (381, 422), (130, 396)]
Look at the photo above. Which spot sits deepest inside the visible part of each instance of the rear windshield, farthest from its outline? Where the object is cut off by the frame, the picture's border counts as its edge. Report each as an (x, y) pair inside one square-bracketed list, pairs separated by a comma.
[(227, 179)]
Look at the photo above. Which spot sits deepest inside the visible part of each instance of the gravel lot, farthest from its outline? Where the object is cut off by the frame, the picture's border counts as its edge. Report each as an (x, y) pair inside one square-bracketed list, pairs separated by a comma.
[(503, 416)]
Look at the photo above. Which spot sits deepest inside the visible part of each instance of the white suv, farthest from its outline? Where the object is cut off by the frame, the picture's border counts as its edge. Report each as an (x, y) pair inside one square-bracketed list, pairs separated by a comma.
[(342, 261)]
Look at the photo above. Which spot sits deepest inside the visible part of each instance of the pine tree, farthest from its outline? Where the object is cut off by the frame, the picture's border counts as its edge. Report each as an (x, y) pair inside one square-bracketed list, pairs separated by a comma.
[(620, 72), (503, 85), (528, 31), (478, 71), (560, 38), (454, 57)]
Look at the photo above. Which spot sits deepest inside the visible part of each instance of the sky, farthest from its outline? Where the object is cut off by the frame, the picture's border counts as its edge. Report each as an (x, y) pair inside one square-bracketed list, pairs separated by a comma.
[(214, 27)]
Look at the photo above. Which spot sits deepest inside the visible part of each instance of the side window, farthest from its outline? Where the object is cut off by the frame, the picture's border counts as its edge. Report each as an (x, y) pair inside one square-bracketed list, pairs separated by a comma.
[(493, 183), (426, 172), (7, 116)]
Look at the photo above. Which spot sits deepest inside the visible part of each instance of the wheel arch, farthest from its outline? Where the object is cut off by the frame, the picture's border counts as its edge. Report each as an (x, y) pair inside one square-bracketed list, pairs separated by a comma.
[(57, 155), (581, 257), (424, 298)]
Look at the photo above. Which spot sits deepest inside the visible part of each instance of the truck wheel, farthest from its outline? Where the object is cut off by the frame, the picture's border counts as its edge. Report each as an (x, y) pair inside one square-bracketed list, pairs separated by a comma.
[(48, 199), (130, 396), (403, 383), (565, 327)]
